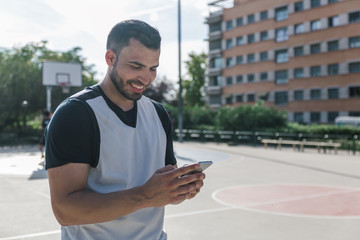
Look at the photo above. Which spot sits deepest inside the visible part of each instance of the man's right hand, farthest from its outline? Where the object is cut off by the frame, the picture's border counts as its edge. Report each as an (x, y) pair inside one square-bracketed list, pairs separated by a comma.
[(167, 186)]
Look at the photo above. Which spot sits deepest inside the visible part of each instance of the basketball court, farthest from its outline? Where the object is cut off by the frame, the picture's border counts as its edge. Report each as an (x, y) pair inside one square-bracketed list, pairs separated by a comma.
[(249, 193)]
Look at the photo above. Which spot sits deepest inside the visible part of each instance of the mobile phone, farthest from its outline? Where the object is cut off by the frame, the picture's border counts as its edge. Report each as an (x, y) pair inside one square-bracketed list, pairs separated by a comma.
[(203, 165)]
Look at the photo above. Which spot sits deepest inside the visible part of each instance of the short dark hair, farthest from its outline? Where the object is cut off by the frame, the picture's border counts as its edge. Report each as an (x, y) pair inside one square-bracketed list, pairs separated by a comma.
[(122, 32)]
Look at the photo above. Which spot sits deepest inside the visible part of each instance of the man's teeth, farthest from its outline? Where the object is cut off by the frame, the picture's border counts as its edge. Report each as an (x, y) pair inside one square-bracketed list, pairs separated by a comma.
[(137, 86)]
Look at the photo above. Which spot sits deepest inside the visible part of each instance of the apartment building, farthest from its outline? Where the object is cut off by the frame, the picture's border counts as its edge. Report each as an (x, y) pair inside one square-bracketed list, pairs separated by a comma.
[(299, 56)]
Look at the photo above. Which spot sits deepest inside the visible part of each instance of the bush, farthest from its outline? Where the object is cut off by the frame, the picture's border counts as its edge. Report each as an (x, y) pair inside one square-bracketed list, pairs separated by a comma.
[(249, 118)]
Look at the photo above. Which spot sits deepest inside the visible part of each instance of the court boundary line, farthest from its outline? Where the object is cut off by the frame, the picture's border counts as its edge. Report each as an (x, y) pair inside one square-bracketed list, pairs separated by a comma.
[(248, 207)]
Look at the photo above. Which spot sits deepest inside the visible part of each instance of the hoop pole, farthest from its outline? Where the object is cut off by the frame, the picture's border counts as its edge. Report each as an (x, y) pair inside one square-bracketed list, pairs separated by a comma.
[(48, 98)]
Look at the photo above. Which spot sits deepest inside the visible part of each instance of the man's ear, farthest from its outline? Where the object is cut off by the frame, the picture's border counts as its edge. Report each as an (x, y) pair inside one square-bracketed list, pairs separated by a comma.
[(110, 57)]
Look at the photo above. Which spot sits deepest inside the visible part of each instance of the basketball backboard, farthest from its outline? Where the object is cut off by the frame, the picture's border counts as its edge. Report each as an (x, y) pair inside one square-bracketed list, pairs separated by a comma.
[(62, 74)]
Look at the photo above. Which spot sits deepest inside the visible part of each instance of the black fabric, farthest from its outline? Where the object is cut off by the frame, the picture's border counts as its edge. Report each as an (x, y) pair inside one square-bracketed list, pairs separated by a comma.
[(72, 135), (167, 125)]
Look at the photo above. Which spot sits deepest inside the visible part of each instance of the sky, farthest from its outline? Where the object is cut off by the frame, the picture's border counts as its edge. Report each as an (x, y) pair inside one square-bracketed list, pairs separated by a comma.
[(66, 24)]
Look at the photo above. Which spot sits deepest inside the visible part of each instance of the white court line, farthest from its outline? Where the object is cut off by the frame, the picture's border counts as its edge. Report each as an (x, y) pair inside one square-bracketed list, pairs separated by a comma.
[(31, 235), (249, 207), (167, 216)]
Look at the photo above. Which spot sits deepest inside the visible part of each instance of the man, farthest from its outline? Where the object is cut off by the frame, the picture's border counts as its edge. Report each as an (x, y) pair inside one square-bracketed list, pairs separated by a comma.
[(109, 150)]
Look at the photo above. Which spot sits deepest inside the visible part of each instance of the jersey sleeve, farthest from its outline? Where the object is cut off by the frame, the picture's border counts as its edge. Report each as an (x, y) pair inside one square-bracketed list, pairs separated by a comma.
[(72, 135), (167, 125)]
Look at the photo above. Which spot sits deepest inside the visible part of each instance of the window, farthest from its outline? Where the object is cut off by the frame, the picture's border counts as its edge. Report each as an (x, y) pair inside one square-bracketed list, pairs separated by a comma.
[(229, 62), (298, 73), (333, 46), (281, 77), (315, 94), (229, 100), (229, 43), (299, 51), (239, 98), (354, 17), (315, 48), (213, 45), (281, 34), (239, 60), (315, 71), (263, 76), (331, 116), (281, 56), (281, 13), (239, 41), (239, 79), (333, 93), (298, 6), (263, 56), (251, 38), (263, 15), (354, 92), (215, 27), (281, 98), (315, 3), (251, 97), (251, 58), (332, 1), (315, 25), (354, 42), (333, 21), (229, 81), (299, 117), (215, 62), (354, 67), (250, 18), (315, 117), (229, 25), (299, 95), (214, 100), (263, 35), (215, 81), (333, 69), (299, 28), (239, 21), (354, 114), (250, 77)]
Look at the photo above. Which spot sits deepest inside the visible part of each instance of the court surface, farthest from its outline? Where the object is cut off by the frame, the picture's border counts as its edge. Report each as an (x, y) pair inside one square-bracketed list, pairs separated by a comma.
[(249, 193)]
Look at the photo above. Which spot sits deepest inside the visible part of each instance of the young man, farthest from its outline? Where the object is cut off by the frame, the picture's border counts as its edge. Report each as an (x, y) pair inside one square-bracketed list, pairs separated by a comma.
[(109, 150)]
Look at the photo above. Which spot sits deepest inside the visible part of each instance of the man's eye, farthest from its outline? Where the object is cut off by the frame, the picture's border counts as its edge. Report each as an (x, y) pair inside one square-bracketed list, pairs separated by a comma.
[(153, 69), (135, 67)]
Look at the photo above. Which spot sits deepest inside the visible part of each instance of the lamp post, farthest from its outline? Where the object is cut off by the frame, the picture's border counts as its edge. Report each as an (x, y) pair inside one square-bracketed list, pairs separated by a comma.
[(180, 116)]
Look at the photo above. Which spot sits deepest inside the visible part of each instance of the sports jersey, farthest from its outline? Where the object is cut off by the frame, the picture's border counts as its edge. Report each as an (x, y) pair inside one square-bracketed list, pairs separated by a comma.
[(124, 149)]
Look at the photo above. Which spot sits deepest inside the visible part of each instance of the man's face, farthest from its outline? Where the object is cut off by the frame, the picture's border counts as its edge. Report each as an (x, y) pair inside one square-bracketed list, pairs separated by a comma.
[(134, 70)]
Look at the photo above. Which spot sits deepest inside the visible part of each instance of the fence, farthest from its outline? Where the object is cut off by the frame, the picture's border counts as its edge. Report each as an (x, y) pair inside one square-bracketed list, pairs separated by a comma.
[(348, 142)]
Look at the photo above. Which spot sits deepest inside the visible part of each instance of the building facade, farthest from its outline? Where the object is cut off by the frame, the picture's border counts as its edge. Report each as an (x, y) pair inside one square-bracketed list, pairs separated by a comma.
[(300, 56)]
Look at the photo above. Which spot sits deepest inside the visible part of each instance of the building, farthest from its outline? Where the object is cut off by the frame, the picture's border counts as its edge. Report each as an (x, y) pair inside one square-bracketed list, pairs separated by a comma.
[(300, 56)]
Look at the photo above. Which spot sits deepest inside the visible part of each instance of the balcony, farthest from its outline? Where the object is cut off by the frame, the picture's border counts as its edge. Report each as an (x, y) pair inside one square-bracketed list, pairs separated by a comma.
[(213, 90)]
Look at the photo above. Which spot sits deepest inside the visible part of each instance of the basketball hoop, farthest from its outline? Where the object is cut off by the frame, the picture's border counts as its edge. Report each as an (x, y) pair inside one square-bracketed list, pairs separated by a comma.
[(64, 87)]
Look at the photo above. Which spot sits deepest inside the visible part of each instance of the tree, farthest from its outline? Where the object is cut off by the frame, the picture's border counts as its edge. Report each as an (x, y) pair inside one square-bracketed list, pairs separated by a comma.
[(21, 91), (159, 90), (194, 87)]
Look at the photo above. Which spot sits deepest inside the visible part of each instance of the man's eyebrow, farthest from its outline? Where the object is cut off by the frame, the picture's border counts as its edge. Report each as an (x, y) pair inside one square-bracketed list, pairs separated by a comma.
[(140, 64)]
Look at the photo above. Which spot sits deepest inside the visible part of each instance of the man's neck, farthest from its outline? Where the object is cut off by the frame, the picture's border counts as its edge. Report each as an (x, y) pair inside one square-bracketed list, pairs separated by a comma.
[(119, 100)]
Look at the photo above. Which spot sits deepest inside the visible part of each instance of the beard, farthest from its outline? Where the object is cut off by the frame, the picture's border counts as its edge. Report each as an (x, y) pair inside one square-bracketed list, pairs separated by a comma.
[(119, 84)]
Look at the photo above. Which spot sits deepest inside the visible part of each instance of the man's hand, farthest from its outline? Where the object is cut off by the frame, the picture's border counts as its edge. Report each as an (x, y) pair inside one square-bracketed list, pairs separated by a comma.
[(169, 186)]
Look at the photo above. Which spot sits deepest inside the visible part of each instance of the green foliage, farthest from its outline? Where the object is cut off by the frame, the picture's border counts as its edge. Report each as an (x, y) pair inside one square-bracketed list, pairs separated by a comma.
[(21, 91), (194, 117), (249, 118), (194, 87)]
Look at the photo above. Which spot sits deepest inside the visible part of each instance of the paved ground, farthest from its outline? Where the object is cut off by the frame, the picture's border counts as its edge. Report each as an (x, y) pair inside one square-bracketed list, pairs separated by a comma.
[(250, 193)]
